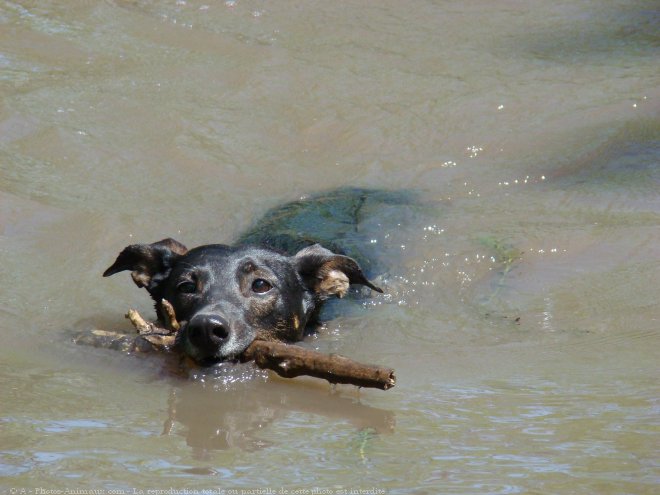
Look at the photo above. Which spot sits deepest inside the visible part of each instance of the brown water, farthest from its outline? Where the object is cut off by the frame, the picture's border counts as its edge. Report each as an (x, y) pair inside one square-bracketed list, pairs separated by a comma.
[(522, 321)]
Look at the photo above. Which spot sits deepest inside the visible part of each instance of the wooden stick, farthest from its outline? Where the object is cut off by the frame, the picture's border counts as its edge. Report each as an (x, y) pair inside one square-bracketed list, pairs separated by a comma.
[(290, 361), (142, 326), (123, 342), (286, 360), (170, 322)]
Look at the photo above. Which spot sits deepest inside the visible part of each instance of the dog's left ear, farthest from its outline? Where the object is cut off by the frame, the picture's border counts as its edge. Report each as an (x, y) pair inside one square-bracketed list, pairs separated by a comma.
[(149, 263), (329, 274)]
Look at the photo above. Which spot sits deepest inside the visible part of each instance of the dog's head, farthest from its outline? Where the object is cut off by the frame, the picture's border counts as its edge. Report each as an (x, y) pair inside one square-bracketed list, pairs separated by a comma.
[(226, 297)]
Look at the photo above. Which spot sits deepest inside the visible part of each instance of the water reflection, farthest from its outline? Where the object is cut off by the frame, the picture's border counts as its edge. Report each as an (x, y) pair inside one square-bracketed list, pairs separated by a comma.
[(233, 407)]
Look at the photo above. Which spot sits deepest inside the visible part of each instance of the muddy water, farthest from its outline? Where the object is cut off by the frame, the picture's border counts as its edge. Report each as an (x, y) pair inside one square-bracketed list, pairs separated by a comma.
[(522, 318)]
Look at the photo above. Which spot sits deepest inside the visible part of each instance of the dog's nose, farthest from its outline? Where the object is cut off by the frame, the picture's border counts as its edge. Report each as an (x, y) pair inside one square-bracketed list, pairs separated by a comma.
[(208, 331)]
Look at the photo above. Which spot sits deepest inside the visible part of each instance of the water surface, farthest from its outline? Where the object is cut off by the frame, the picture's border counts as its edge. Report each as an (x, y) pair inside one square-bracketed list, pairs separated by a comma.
[(522, 316)]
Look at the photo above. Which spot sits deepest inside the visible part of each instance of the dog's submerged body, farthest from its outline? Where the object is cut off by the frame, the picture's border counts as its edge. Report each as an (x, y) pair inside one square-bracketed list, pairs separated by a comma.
[(227, 296)]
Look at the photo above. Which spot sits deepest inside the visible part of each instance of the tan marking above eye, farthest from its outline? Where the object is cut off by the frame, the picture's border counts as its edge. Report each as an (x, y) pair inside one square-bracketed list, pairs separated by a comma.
[(248, 267)]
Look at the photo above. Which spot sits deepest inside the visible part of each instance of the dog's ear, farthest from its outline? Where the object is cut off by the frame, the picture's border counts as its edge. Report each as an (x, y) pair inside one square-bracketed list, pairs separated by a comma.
[(329, 274), (149, 263)]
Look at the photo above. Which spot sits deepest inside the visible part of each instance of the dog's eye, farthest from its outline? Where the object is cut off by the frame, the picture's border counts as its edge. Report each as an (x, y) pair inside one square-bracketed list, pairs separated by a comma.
[(261, 286), (187, 287)]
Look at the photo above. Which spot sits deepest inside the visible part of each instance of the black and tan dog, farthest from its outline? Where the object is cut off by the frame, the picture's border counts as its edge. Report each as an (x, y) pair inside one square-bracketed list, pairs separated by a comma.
[(228, 296)]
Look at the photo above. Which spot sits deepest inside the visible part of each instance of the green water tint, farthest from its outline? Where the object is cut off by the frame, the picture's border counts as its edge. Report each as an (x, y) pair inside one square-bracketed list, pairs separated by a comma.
[(506, 256), (343, 220), (362, 442)]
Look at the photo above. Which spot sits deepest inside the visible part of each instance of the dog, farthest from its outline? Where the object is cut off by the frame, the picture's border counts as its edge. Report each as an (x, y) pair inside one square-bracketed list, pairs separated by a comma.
[(227, 296)]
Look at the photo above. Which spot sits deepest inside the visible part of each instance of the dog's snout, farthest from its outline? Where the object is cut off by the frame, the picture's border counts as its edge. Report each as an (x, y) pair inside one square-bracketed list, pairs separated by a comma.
[(206, 331)]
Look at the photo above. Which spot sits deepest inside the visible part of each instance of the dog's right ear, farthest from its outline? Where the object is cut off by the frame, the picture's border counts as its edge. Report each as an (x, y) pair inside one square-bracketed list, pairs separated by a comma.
[(149, 263)]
